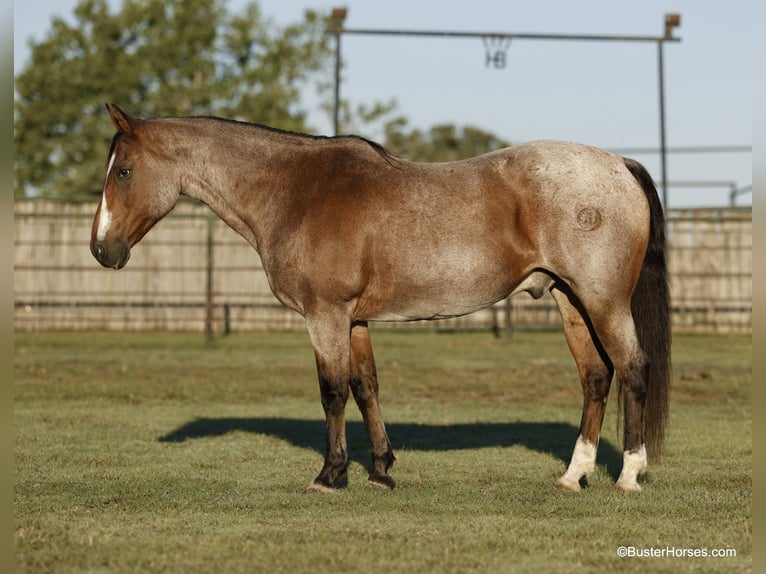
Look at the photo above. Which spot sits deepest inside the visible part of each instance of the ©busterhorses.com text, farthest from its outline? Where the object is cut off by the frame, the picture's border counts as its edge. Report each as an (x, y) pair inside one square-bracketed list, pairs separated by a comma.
[(674, 552)]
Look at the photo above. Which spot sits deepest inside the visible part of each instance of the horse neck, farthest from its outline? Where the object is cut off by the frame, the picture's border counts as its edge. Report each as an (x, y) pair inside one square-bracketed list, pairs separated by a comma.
[(238, 170)]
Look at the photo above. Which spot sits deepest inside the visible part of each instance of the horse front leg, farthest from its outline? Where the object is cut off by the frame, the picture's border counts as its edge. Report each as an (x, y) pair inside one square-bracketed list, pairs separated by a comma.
[(364, 385), (330, 336)]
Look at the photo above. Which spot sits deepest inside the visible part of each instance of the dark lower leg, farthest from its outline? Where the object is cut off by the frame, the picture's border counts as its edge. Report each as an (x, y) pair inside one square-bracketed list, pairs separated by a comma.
[(329, 332), (595, 385), (633, 383), (334, 397), (364, 385)]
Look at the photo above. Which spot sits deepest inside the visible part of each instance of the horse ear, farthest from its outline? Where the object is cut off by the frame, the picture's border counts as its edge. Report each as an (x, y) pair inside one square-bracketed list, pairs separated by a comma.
[(121, 120)]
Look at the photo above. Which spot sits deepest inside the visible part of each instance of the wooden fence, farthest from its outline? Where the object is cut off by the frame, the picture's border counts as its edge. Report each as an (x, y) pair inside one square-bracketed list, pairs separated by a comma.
[(193, 273)]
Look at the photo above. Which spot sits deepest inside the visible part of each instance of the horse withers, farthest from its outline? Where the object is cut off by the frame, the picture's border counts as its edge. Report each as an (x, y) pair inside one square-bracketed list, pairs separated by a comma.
[(348, 234)]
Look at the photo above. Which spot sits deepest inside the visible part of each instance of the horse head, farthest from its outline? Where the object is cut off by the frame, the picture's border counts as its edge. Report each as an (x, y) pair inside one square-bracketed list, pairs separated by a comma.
[(141, 187)]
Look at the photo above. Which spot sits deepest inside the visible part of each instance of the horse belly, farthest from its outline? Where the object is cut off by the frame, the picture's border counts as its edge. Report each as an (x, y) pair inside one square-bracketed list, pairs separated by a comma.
[(451, 285)]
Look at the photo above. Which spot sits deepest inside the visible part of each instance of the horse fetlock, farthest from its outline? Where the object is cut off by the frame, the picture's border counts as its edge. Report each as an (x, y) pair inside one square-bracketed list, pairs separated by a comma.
[(329, 481), (633, 464), (566, 484), (625, 486), (384, 481), (320, 488)]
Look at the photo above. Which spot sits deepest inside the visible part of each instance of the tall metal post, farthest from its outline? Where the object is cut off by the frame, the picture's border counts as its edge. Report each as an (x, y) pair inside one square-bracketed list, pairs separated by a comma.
[(336, 106), (337, 18), (663, 144), (672, 21)]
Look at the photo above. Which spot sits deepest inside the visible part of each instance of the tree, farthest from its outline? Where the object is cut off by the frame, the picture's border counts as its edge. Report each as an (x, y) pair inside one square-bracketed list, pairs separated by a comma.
[(154, 57), (444, 142), (184, 57)]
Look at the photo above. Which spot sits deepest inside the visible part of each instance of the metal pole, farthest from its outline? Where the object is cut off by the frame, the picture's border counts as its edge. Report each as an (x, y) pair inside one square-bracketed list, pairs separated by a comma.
[(336, 104), (505, 35), (337, 17), (663, 146)]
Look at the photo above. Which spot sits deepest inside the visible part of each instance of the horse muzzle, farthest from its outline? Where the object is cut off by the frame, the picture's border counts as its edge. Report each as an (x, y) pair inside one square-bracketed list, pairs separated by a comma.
[(113, 256)]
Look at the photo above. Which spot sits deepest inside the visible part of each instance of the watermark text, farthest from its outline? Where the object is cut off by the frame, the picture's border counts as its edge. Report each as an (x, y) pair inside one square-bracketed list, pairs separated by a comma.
[(674, 552)]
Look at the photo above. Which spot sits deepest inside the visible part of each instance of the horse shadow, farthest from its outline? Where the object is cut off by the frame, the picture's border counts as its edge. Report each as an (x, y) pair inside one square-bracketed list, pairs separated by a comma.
[(556, 439)]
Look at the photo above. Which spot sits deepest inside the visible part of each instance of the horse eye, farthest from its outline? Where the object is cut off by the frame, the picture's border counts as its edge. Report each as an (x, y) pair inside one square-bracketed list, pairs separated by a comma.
[(123, 173)]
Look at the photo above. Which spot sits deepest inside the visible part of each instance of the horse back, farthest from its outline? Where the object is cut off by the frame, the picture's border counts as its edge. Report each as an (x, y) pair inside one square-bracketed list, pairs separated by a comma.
[(407, 240)]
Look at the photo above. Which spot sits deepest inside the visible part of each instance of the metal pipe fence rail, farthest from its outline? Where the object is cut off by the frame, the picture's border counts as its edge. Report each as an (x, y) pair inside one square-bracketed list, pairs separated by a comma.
[(193, 273)]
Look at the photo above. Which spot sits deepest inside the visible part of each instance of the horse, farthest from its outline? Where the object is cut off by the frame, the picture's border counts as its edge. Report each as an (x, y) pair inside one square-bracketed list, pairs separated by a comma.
[(350, 234)]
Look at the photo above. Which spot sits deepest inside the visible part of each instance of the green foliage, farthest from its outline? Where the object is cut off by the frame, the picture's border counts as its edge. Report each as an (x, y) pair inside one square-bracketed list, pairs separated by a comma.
[(109, 478), (154, 57), (185, 57), (445, 142)]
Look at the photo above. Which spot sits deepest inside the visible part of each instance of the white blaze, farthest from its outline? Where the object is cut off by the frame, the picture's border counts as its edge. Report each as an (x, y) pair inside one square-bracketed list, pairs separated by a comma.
[(105, 218)]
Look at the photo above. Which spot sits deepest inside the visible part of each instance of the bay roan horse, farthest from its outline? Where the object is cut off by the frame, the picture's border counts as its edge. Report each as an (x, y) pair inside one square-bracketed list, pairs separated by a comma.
[(348, 233)]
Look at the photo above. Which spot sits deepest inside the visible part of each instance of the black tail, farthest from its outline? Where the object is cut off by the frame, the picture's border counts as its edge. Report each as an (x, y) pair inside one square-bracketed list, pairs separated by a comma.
[(651, 314)]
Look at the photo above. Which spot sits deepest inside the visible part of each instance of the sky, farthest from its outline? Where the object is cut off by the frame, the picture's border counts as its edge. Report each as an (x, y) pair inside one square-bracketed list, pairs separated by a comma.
[(598, 93)]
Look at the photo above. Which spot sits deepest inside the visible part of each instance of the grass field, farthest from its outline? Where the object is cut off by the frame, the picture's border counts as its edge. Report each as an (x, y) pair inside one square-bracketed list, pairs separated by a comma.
[(155, 453)]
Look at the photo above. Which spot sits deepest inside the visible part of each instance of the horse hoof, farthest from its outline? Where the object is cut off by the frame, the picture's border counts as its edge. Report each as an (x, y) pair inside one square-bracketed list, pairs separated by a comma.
[(568, 486), (381, 482), (627, 487), (321, 488)]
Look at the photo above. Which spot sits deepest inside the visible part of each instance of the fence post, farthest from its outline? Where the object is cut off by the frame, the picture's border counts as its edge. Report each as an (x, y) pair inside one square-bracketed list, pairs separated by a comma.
[(507, 311), (226, 319), (209, 286)]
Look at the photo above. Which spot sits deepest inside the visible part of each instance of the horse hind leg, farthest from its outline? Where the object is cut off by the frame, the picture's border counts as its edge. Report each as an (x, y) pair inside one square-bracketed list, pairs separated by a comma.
[(364, 385), (633, 375), (596, 373), (616, 332)]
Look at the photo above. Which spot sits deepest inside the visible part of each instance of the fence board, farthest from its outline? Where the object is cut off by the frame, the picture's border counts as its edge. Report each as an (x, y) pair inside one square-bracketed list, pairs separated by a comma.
[(58, 284)]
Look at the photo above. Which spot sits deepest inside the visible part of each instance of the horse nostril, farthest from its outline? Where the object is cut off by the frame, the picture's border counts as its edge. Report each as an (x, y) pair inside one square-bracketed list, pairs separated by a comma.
[(99, 251)]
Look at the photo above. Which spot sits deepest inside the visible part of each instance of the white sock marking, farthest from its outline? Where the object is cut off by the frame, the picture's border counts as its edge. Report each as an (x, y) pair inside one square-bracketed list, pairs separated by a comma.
[(633, 464), (583, 463)]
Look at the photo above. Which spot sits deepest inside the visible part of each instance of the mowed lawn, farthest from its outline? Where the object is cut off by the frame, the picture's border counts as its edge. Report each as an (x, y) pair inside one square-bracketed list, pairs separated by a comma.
[(157, 453)]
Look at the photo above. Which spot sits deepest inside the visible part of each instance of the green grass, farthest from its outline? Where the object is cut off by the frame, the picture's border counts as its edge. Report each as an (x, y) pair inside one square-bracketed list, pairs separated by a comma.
[(154, 453)]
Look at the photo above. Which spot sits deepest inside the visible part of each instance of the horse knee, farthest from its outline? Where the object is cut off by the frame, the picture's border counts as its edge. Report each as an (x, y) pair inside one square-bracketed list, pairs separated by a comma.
[(365, 391), (596, 382), (334, 397), (634, 378)]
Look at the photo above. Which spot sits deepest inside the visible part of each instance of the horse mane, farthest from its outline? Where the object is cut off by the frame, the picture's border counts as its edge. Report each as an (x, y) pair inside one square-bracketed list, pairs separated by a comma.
[(381, 150)]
